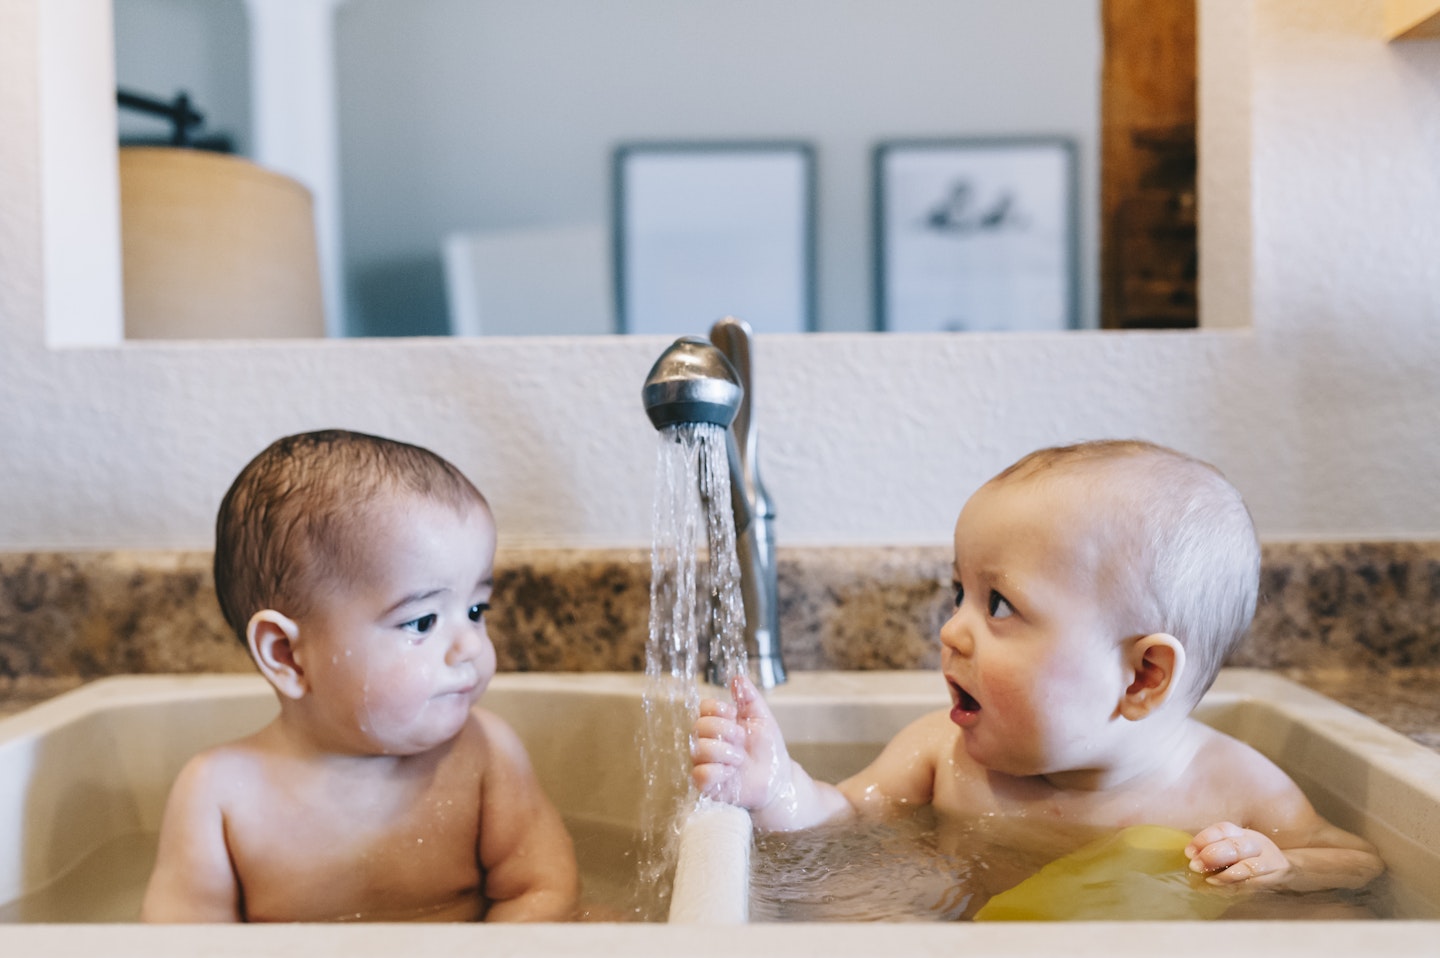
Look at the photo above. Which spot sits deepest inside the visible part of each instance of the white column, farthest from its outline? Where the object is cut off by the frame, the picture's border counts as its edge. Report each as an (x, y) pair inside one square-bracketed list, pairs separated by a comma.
[(294, 120), (79, 180)]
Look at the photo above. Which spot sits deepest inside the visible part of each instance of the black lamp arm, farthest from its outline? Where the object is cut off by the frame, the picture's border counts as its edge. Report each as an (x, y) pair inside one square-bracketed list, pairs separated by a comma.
[(178, 111)]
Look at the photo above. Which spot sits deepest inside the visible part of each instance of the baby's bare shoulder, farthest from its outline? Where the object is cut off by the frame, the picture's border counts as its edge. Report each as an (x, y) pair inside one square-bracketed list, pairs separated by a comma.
[(932, 727), (214, 766), (1245, 778), (1218, 751), (217, 781), (905, 772), (488, 731), (489, 740), (931, 737)]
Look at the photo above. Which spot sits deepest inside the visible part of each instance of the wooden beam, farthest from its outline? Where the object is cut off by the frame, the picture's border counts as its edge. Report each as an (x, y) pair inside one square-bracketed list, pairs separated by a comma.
[(1412, 19), (1148, 245)]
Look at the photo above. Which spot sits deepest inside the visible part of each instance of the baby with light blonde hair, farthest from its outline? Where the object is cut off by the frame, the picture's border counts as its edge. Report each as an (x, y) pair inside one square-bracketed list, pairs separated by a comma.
[(1098, 589)]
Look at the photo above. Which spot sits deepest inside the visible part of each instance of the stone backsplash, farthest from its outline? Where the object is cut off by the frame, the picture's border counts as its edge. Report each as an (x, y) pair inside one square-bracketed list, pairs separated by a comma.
[(1351, 606)]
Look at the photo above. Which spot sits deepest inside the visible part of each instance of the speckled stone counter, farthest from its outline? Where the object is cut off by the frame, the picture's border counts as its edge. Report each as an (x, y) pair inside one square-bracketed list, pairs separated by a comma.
[(1357, 621)]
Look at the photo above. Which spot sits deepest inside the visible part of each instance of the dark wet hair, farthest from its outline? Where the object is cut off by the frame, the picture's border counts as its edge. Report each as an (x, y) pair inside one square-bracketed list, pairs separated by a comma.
[(1185, 553), (286, 527)]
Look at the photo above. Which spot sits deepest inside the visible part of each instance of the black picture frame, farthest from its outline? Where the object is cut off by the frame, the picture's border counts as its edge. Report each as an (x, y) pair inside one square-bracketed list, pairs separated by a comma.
[(976, 234)]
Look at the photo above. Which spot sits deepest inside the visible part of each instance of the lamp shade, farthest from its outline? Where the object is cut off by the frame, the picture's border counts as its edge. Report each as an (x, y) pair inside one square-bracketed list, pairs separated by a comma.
[(216, 247)]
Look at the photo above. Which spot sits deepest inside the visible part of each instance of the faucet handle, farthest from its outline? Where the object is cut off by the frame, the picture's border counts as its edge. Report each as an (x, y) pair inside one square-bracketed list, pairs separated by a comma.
[(732, 337), (754, 514)]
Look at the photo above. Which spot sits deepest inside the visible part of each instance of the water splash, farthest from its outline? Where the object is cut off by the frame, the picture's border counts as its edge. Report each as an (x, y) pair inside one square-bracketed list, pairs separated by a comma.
[(694, 598)]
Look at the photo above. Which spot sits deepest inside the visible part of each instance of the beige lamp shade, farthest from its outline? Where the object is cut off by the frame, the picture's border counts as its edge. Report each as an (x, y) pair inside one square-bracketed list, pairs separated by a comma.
[(215, 247)]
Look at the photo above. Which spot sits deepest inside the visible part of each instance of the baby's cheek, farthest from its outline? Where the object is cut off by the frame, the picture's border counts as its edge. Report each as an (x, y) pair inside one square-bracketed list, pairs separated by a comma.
[(1005, 696), (1033, 708), (398, 690), (486, 664)]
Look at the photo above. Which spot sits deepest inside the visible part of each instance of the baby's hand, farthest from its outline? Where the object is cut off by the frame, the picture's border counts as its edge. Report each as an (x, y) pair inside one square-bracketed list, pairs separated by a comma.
[(1227, 854), (739, 753)]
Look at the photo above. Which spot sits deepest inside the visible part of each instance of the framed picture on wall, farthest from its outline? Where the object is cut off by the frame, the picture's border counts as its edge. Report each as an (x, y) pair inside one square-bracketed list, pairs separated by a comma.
[(707, 230), (975, 234)]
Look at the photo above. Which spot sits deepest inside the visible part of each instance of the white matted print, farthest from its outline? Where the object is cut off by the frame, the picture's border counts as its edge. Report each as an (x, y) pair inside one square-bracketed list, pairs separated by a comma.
[(975, 235), (711, 230)]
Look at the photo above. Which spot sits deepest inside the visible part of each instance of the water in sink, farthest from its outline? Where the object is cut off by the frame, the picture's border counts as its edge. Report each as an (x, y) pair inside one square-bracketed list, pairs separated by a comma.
[(918, 868), (108, 884)]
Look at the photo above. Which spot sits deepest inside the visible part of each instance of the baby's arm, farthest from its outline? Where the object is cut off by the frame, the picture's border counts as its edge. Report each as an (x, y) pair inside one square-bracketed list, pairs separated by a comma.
[(740, 758), (1283, 843), (193, 880), (525, 851), (1319, 858)]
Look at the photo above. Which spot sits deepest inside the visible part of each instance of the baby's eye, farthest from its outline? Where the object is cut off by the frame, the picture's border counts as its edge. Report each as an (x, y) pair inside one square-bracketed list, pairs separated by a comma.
[(478, 610), (999, 606), (959, 594), (421, 625)]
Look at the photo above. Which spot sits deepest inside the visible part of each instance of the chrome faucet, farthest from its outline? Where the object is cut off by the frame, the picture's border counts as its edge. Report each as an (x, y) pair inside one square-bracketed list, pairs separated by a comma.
[(699, 381)]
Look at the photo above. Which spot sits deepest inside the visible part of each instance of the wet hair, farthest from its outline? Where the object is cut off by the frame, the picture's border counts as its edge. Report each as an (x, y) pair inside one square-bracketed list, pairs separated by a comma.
[(288, 526), (1181, 544)]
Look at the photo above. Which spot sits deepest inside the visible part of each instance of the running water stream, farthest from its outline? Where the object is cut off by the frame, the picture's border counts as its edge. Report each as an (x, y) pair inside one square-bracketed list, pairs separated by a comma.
[(695, 604)]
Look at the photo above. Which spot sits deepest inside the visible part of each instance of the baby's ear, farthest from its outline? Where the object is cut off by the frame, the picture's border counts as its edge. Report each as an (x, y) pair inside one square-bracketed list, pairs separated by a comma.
[(1156, 662), (272, 644)]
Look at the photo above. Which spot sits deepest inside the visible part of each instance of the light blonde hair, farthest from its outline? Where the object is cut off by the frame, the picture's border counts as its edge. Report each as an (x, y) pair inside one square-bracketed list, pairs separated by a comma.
[(288, 526), (1182, 544)]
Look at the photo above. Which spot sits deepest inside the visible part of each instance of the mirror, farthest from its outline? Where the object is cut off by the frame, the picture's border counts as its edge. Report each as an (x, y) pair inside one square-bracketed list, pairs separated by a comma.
[(495, 116)]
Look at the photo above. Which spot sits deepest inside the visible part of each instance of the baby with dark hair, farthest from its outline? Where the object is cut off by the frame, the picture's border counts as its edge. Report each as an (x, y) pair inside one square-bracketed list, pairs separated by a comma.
[(358, 571)]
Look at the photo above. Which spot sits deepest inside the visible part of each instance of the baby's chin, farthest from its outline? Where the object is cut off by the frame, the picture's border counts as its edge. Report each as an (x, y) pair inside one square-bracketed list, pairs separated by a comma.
[(425, 733)]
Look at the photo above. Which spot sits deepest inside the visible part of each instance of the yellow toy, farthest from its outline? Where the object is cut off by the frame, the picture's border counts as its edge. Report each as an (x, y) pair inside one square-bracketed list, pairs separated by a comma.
[(1138, 874)]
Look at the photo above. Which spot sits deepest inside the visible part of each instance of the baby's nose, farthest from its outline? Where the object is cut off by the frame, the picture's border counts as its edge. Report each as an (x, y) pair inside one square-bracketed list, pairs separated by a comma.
[(955, 634), (467, 643)]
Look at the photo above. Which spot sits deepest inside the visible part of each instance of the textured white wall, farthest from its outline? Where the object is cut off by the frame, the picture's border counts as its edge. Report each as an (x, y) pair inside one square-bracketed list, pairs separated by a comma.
[(1326, 412)]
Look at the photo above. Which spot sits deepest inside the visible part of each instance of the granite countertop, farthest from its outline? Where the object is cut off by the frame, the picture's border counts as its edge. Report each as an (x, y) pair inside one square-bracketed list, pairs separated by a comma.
[(1358, 622), (20, 693), (1405, 699)]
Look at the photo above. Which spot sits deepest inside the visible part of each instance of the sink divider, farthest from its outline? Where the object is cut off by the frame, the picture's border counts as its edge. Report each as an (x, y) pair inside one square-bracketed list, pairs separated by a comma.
[(712, 869)]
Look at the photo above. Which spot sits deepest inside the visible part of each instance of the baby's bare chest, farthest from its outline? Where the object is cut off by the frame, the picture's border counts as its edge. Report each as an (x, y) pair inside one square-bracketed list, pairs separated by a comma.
[(375, 853), (1020, 809)]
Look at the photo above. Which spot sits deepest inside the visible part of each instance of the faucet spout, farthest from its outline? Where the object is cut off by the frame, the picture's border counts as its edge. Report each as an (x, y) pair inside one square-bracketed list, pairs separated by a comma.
[(699, 381), (692, 382)]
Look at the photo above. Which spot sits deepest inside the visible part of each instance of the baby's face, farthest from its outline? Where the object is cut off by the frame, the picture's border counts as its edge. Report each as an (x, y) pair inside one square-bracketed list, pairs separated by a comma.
[(395, 658), (1034, 654)]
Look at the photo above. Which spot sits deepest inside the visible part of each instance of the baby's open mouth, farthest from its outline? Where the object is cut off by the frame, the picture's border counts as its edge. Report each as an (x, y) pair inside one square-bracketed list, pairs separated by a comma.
[(964, 700)]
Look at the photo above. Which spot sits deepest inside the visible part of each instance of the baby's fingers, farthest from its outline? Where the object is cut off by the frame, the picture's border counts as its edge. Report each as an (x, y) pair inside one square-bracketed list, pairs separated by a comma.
[(1227, 854), (750, 707), (1210, 836), (1243, 870), (1223, 853), (718, 708), (709, 726), (718, 782), (713, 751)]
